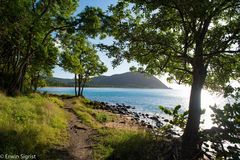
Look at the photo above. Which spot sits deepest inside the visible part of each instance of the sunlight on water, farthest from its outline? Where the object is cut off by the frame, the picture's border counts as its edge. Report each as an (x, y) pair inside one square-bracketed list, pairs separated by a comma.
[(146, 100), (210, 99), (207, 99)]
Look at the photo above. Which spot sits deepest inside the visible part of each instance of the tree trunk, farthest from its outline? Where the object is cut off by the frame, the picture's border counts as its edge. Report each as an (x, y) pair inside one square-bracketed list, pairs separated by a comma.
[(79, 84), (191, 147), (31, 84), (16, 83), (75, 85), (35, 85), (36, 82), (83, 85), (82, 90)]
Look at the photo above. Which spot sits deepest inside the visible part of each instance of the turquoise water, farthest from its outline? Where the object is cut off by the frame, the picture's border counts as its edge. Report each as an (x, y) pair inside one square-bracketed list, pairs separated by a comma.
[(144, 100)]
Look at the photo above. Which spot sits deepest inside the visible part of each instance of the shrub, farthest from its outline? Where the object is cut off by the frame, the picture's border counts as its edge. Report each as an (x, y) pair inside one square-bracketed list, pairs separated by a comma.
[(225, 138)]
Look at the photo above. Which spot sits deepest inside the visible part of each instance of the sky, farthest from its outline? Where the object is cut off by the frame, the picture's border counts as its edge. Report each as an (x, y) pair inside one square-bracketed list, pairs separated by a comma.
[(123, 67)]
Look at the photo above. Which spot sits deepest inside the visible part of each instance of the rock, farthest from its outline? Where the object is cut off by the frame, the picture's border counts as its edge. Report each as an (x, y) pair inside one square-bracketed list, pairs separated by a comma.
[(143, 124), (136, 115), (154, 118), (166, 120), (121, 112), (149, 126), (158, 124), (128, 107)]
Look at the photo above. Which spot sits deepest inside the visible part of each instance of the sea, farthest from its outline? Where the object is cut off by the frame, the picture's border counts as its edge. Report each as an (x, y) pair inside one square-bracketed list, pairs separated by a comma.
[(147, 100)]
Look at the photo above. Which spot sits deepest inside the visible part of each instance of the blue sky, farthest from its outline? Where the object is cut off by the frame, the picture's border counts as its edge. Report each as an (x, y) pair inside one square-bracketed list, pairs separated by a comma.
[(124, 67)]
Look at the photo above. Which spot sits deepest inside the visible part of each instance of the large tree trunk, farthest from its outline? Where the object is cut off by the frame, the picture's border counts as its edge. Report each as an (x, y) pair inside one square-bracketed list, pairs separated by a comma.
[(191, 147)]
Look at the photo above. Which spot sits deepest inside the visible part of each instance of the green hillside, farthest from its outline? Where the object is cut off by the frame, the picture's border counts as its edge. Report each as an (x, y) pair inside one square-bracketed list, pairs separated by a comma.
[(125, 80)]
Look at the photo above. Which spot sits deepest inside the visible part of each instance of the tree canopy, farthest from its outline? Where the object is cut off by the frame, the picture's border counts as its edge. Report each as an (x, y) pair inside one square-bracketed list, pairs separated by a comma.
[(163, 35), (195, 42)]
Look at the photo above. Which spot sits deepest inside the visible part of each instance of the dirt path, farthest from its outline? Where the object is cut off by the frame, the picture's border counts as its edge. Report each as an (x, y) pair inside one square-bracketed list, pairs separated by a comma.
[(80, 146)]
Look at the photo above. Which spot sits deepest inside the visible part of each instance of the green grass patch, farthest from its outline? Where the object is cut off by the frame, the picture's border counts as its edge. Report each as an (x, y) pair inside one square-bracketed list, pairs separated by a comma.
[(89, 116), (56, 100), (124, 144), (104, 117), (31, 124)]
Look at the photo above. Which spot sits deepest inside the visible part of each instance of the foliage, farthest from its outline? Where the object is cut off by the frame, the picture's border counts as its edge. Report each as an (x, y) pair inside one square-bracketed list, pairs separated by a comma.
[(41, 68), (165, 36), (25, 30), (225, 138), (30, 32), (80, 57), (30, 125), (178, 119)]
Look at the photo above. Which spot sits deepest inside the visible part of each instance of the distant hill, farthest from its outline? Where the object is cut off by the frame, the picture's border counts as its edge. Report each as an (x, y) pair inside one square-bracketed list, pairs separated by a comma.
[(125, 80)]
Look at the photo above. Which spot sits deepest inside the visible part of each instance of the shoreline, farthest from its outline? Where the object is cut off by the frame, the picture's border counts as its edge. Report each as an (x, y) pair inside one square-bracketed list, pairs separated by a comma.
[(153, 122), (148, 120), (103, 87)]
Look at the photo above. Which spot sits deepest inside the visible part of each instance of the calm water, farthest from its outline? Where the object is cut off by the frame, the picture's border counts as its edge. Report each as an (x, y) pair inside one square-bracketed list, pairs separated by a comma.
[(145, 100)]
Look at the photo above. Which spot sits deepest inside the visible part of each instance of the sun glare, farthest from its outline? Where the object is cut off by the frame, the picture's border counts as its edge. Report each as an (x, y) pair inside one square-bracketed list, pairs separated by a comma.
[(210, 99)]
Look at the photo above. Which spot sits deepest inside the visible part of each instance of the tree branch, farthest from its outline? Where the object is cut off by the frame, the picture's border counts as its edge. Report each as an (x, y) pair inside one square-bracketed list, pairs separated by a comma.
[(55, 29)]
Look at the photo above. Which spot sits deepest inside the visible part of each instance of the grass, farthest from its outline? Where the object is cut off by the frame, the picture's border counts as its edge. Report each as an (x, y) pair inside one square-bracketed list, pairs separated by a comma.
[(89, 116), (122, 144), (36, 124), (31, 124), (118, 143), (114, 144), (104, 117)]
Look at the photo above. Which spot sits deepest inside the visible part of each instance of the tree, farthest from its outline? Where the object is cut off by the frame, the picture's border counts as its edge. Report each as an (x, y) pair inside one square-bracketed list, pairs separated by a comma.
[(26, 29), (41, 67), (72, 46), (80, 57), (195, 42), (92, 66)]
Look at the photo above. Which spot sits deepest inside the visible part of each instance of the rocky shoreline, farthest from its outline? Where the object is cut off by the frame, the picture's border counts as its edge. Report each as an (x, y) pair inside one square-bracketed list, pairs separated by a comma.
[(143, 119)]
